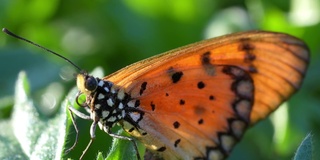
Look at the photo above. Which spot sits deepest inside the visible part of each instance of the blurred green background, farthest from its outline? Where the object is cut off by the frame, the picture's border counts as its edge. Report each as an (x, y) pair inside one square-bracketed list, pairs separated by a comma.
[(113, 34)]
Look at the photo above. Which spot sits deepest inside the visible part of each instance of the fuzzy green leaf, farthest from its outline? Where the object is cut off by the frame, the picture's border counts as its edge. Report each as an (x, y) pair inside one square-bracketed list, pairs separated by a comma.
[(305, 149), (30, 134)]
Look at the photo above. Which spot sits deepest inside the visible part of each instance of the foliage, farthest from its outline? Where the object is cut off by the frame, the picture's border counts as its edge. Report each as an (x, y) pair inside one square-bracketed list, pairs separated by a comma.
[(113, 34)]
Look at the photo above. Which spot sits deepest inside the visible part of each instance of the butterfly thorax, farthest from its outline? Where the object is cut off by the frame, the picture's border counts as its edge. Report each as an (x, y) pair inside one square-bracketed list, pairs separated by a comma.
[(108, 103)]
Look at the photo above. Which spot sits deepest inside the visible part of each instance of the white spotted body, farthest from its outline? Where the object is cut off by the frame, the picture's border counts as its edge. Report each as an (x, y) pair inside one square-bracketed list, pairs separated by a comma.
[(108, 104)]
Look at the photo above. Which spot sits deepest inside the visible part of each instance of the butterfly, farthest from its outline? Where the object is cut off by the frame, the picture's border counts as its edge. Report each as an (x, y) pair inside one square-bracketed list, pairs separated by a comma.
[(197, 101)]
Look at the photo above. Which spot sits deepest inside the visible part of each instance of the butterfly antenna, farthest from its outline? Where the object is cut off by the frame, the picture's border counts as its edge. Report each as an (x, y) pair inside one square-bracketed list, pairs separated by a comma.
[(48, 50)]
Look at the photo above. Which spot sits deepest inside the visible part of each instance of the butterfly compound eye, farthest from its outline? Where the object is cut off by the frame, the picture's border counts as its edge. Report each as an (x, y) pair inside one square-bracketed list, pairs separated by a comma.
[(91, 83)]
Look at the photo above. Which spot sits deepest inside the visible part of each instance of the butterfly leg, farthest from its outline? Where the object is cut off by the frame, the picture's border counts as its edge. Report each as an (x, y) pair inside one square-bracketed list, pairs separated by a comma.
[(92, 134), (108, 131), (81, 115)]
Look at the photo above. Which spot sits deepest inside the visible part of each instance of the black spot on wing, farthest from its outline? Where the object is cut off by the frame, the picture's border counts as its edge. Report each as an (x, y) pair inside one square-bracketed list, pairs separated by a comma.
[(175, 75), (177, 142), (208, 67), (205, 58), (249, 57), (143, 87), (182, 102), (161, 149), (200, 121), (176, 124), (137, 103), (153, 106), (248, 47), (201, 85)]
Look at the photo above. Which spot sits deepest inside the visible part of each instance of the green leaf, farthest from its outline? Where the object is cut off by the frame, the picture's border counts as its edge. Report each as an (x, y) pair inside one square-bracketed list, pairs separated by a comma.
[(100, 156), (10, 147), (305, 149), (123, 149), (30, 134)]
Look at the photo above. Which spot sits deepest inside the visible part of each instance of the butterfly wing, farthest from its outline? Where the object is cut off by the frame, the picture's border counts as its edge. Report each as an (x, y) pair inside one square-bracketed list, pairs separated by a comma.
[(277, 63), (189, 112), (198, 100)]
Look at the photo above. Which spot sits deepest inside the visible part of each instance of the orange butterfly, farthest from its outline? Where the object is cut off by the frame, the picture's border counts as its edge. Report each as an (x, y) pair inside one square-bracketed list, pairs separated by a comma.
[(196, 102)]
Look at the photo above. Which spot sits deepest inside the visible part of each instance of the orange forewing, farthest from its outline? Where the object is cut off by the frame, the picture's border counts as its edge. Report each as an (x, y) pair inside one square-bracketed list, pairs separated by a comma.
[(279, 64), (248, 75)]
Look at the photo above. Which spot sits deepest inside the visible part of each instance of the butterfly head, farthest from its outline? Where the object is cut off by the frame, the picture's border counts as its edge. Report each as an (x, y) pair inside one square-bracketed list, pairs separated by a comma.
[(86, 83)]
